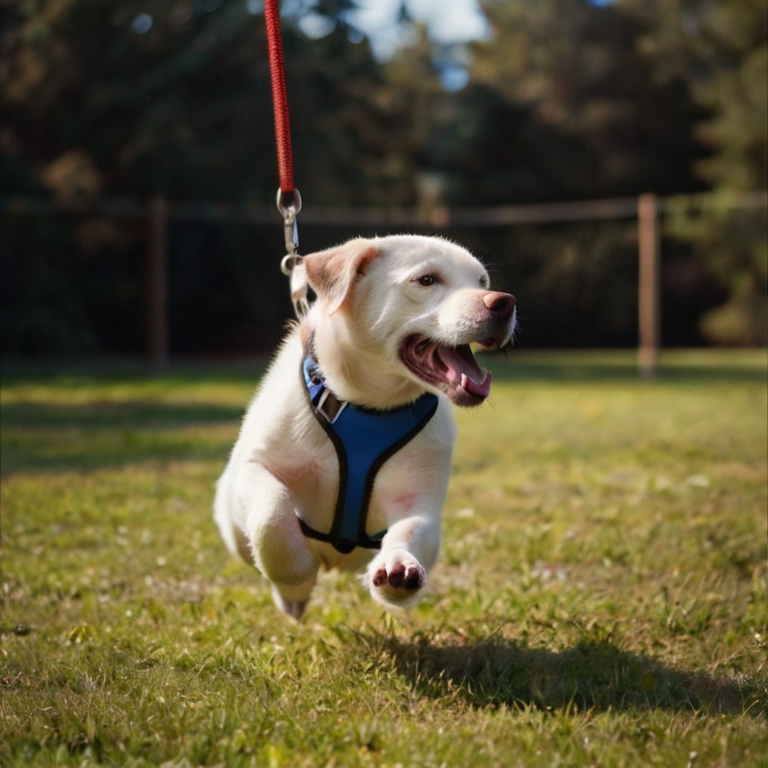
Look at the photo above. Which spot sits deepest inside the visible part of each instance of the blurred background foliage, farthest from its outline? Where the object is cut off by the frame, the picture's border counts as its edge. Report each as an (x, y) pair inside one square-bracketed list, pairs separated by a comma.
[(560, 100)]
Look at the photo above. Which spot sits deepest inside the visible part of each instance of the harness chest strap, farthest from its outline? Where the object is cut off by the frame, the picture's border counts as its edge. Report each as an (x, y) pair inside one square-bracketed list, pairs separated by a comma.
[(363, 439)]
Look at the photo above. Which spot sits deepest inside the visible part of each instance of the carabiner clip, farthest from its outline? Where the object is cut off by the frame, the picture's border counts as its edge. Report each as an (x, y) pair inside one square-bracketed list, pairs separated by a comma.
[(289, 205)]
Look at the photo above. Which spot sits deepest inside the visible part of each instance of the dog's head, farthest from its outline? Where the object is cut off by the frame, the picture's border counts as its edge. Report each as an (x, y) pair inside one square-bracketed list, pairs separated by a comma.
[(397, 315)]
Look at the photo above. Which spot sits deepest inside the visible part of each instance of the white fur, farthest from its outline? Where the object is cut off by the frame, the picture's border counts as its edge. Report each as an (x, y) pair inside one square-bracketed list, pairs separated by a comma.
[(368, 301)]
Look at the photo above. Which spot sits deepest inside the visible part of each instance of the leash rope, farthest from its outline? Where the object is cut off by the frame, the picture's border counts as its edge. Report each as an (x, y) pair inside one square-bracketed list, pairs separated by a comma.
[(288, 197), (279, 98)]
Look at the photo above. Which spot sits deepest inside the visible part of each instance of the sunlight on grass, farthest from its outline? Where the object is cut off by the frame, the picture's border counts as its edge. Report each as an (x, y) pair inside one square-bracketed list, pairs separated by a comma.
[(600, 598)]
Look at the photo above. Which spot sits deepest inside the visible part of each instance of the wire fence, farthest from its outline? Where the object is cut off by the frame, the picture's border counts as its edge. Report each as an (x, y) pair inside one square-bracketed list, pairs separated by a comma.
[(160, 226)]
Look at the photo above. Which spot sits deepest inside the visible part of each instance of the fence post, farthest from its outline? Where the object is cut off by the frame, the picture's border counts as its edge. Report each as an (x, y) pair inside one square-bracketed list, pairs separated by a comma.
[(649, 312), (157, 283)]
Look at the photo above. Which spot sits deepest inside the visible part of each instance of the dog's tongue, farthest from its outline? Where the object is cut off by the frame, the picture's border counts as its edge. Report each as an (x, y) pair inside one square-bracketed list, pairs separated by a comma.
[(462, 369), (479, 389)]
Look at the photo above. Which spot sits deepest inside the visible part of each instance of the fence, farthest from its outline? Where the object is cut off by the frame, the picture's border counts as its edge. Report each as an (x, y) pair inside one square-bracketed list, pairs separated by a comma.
[(647, 209)]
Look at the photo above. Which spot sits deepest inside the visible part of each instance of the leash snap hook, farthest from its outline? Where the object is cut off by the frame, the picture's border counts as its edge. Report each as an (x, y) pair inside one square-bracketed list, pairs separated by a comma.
[(289, 205)]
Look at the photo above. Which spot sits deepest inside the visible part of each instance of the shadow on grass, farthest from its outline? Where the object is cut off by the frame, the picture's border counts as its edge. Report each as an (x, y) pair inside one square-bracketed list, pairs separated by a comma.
[(107, 434), (592, 675), (104, 433), (139, 412), (71, 374)]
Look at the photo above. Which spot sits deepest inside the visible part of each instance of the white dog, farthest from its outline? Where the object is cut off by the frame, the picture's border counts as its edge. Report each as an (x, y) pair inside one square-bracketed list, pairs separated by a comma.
[(344, 454)]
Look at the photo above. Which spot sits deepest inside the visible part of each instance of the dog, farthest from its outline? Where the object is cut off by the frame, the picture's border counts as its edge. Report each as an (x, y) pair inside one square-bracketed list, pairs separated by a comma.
[(344, 454)]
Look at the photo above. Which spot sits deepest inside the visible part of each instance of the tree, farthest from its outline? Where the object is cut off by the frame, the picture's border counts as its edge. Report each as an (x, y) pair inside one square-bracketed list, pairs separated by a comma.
[(719, 49), (566, 101), (583, 106), (107, 98)]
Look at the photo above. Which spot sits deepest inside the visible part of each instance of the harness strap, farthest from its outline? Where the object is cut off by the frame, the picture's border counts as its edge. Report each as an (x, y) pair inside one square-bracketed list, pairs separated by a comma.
[(364, 439)]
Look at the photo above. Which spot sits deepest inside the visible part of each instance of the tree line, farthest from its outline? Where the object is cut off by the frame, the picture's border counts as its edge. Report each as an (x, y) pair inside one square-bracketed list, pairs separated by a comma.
[(565, 100)]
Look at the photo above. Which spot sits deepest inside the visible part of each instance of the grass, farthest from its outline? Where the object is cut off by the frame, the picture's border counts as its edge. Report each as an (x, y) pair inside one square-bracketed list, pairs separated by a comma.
[(600, 599)]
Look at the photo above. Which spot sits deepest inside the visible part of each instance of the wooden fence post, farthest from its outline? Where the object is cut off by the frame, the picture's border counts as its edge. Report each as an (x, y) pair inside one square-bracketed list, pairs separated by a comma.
[(157, 283), (649, 300)]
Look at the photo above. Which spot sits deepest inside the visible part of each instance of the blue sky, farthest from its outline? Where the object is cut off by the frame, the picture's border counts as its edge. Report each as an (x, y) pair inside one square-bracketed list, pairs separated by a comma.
[(457, 21), (448, 22)]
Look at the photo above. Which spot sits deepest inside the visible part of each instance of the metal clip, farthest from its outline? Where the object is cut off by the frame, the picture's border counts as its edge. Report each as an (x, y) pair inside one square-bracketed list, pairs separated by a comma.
[(289, 205)]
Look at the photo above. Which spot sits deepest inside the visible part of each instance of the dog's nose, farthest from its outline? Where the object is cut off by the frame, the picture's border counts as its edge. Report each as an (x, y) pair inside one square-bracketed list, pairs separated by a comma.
[(501, 304)]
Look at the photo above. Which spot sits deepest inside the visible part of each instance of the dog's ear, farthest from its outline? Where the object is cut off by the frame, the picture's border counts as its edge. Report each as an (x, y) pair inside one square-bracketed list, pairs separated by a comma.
[(333, 273)]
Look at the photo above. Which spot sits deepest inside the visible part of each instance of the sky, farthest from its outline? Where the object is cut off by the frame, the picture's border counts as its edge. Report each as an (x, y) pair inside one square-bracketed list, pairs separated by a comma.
[(457, 21), (448, 22)]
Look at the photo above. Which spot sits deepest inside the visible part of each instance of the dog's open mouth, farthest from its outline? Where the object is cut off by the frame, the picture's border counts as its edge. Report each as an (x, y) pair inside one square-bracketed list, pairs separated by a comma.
[(453, 370)]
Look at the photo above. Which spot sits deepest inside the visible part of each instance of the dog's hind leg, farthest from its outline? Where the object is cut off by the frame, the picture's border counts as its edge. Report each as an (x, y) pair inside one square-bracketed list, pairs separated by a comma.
[(294, 608), (265, 514)]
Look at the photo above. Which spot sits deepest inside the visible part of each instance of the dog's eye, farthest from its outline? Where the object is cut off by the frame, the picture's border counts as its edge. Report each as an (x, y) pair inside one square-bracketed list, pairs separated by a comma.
[(427, 280)]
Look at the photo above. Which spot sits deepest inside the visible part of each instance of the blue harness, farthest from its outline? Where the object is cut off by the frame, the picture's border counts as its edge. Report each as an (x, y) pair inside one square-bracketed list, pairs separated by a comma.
[(364, 439)]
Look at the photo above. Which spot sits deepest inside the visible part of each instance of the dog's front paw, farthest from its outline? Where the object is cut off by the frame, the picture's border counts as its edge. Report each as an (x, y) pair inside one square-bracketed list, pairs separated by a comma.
[(396, 579)]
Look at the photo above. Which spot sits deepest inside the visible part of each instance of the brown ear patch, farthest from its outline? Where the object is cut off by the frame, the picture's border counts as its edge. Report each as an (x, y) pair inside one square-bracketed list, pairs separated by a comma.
[(365, 259), (333, 272), (362, 262), (321, 268)]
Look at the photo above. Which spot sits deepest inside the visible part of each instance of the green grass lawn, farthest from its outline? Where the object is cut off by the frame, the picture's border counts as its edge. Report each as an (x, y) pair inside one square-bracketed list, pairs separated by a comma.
[(600, 597)]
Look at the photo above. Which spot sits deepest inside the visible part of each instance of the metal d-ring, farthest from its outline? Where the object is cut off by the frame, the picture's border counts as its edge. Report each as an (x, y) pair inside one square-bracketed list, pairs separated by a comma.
[(289, 263)]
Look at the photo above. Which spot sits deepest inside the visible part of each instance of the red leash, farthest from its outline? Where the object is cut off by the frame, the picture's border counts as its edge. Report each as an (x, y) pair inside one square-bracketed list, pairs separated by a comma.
[(288, 197), (279, 97)]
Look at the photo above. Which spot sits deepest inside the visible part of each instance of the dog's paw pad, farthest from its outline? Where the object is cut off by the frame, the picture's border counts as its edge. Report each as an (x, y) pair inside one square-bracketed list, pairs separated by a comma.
[(400, 577), (380, 577), (416, 578)]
